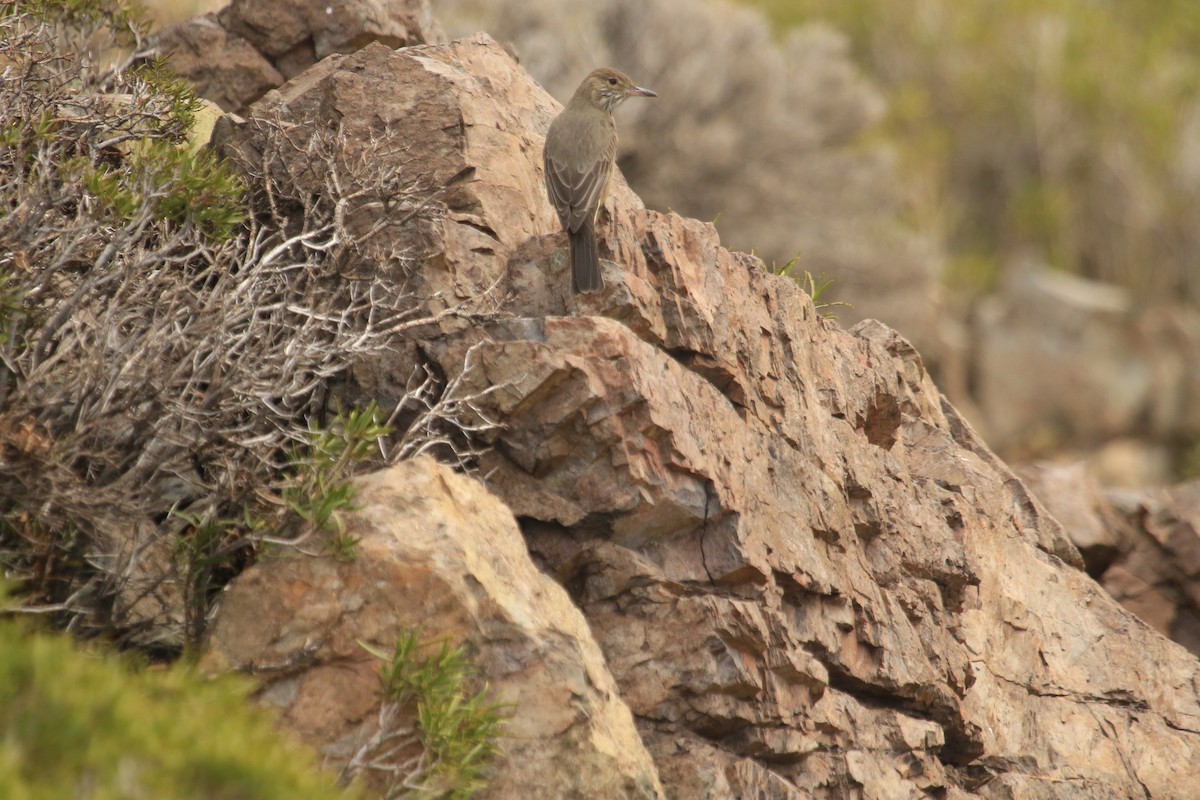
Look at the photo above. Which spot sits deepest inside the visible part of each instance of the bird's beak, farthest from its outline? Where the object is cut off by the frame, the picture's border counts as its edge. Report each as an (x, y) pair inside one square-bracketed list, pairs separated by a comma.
[(640, 92)]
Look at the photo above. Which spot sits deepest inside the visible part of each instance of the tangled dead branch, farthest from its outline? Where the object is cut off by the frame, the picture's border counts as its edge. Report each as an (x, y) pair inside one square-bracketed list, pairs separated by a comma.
[(167, 339)]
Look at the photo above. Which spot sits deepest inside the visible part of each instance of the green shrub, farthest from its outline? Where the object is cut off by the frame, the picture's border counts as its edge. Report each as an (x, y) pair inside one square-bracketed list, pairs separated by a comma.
[(85, 724), (311, 500), (320, 488)]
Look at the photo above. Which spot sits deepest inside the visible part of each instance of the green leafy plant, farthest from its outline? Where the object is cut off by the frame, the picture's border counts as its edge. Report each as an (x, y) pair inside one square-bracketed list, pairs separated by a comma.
[(208, 552), (85, 722), (787, 269), (814, 287), (320, 489), (212, 549), (457, 730)]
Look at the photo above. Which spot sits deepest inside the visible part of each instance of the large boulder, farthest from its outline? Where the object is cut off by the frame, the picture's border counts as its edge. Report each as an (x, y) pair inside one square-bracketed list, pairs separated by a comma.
[(439, 555)]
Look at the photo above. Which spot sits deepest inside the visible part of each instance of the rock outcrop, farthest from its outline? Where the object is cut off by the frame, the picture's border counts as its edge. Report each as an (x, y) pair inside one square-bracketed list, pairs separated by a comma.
[(808, 577), (1047, 361), (439, 555), (780, 149), (1143, 546), (234, 56), (1044, 363)]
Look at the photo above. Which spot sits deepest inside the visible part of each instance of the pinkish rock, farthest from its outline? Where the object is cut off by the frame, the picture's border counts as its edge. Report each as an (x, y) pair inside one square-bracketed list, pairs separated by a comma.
[(807, 575)]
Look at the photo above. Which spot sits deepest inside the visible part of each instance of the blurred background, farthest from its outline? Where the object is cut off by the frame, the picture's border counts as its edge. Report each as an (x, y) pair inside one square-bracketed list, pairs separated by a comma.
[(1012, 184)]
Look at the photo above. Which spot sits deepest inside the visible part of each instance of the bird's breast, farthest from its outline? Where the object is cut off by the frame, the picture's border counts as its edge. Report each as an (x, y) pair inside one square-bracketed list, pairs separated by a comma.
[(580, 138)]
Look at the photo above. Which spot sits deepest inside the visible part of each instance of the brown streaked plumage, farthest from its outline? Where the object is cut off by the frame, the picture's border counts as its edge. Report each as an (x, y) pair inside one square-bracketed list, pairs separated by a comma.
[(581, 148)]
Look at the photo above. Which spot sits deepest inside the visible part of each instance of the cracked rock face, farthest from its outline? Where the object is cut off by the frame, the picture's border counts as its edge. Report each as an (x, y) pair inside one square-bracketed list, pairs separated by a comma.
[(806, 574), (251, 46), (1142, 545)]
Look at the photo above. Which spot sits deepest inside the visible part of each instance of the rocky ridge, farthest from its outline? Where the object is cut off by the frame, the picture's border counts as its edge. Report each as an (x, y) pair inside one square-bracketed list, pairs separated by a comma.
[(802, 573)]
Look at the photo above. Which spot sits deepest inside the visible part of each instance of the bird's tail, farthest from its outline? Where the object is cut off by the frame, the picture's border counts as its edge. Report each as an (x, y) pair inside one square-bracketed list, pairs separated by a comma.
[(585, 261)]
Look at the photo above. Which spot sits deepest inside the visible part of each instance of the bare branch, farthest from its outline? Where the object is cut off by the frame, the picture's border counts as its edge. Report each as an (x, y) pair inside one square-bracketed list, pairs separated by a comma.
[(154, 378)]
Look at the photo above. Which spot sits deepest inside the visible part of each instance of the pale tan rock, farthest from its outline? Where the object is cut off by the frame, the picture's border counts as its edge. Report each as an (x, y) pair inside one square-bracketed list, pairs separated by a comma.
[(295, 35), (439, 554), (1075, 499), (234, 56), (808, 575), (222, 66), (457, 107), (1143, 546)]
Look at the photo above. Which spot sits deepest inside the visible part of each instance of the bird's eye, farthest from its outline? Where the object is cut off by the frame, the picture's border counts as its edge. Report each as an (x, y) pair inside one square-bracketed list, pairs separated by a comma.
[(612, 81)]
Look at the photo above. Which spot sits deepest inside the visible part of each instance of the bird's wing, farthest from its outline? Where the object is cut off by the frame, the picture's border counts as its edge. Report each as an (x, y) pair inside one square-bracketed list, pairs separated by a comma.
[(576, 194)]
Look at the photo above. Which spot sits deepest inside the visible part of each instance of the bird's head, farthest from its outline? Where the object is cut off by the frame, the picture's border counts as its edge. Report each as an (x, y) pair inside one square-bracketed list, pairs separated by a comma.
[(607, 88)]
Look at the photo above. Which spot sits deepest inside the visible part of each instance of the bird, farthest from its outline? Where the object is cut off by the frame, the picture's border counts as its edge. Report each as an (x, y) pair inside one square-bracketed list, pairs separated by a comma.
[(581, 148)]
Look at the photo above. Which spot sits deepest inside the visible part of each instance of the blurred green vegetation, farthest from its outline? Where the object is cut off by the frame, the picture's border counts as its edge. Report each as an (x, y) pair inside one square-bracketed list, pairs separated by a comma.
[(1065, 128), (83, 722)]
